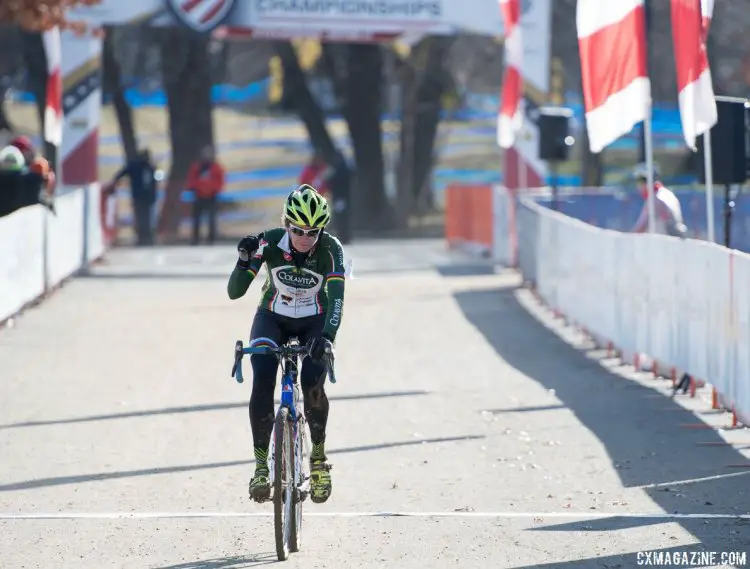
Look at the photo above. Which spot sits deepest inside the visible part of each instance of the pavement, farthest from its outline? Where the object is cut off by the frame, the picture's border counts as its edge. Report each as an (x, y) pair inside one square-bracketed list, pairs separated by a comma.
[(467, 427)]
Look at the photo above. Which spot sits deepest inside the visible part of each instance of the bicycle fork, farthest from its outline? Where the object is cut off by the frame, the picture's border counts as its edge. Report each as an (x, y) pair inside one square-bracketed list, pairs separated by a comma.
[(301, 450)]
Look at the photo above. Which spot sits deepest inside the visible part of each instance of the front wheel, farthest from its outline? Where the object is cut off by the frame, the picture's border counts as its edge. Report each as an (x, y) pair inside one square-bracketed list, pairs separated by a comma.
[(283, 484)]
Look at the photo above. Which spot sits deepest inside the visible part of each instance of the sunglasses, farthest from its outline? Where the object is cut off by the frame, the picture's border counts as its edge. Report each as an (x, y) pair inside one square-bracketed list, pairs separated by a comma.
[(299, 232)]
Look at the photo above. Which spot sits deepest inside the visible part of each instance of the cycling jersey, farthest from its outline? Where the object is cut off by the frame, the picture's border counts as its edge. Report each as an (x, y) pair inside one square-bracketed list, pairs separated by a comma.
[(314, 286)]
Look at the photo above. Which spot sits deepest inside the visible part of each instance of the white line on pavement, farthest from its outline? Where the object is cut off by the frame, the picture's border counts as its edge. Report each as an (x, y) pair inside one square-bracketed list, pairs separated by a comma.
[(447, 514), (694, 480)]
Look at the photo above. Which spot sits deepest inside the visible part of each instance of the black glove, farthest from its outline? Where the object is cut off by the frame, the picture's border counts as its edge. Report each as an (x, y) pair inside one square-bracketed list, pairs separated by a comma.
[(321, 346), (247, 247)]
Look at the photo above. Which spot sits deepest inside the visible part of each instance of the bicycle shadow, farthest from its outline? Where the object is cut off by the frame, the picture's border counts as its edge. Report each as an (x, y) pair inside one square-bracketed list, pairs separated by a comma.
[(232, 562)]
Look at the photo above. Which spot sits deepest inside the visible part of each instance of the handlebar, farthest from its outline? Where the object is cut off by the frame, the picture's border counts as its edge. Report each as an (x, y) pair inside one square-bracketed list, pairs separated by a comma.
[(280, 352)]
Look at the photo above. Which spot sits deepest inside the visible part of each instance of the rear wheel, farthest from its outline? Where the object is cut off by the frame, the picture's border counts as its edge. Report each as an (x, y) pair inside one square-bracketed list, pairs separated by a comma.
[(283, 484)]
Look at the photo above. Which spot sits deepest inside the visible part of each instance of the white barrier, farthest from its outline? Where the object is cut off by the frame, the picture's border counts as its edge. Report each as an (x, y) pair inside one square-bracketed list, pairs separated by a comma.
[(504, 234), (684, 303), (39, 249), (95, 244), (21, 259), (65, 237)]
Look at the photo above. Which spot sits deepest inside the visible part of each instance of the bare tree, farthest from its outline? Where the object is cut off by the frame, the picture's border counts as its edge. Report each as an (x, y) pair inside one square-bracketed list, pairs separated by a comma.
[(11, 62), (113, 85), (186, 74), (39, 15), (299, 97), (425, 81), (357, 74)]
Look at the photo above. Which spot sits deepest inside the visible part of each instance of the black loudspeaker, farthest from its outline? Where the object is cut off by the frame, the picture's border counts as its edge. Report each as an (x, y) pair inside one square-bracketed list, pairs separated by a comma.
[(730, 147), (554, 141)]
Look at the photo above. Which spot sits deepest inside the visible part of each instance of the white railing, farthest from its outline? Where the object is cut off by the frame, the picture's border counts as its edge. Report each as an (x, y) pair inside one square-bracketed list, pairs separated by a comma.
[(39, 249), (683, 303)]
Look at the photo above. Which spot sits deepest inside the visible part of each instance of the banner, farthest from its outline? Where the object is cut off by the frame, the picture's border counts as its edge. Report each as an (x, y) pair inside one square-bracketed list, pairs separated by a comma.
[(616, 86), (304, 17), (522, 166)]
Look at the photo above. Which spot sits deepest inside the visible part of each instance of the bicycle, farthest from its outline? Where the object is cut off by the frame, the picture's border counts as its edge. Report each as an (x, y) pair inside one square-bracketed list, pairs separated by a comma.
[(290, 478)]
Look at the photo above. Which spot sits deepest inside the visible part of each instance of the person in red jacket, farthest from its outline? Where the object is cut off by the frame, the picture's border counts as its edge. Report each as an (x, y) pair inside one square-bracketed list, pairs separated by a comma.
[(316, 174), (206, 181)]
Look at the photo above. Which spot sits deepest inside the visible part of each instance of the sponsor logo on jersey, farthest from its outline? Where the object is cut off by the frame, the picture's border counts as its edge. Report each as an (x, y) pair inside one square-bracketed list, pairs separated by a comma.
[(340, 256), (297, 280), (336, 314)]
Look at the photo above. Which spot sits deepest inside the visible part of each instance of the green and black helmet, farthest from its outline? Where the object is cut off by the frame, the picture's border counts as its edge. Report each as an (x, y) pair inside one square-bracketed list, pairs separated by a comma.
[(305, 206)]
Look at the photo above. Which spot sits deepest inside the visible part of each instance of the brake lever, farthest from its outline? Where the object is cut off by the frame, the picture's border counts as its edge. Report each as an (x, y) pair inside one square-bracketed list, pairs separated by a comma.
[(330, 362), (237, 367)]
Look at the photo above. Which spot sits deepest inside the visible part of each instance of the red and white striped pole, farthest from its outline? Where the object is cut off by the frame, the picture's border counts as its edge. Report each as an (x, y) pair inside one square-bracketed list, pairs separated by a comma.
[(510, 118), (691, 20), (53, 113)]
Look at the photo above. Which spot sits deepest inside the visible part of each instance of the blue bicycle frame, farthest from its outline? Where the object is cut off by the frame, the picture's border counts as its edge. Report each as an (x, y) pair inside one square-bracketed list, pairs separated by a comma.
[(288, 358), (291, 483)]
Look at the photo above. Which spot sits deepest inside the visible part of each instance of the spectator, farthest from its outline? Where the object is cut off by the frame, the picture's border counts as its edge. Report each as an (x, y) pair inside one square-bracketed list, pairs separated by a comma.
[(316, 174), (143, 181), (19, 187), (206, 181), (36, 163), (668, 211)]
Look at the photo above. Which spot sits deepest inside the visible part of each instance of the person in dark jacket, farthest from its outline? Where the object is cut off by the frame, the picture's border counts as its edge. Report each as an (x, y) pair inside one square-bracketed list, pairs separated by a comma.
[(143, 181), (19, 187), (35, 162)]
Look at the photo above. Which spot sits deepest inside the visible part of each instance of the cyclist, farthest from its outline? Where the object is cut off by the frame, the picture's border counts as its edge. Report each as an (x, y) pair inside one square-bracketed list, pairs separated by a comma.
[(303, 296)]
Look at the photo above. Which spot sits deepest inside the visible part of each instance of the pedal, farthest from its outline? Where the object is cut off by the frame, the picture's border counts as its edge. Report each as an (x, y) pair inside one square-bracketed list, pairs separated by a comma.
[(260, 499)]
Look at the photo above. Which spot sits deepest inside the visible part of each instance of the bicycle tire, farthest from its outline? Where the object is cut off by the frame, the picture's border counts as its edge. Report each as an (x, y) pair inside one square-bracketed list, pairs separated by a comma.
[(283, 508), (296, 536)]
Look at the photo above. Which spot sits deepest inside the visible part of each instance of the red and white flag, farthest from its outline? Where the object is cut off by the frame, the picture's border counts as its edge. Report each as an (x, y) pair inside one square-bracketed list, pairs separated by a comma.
[(510, 119), (53, 115), (616, 87), (690, 22)]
